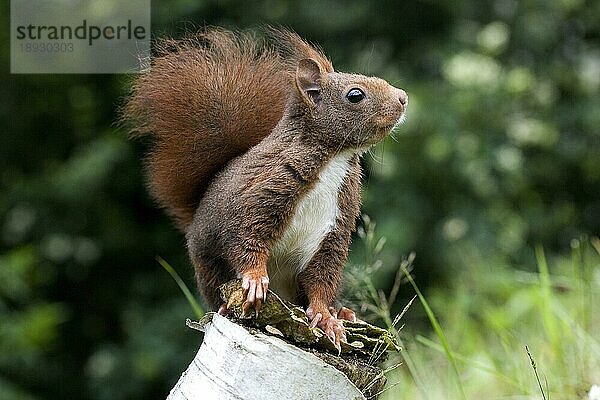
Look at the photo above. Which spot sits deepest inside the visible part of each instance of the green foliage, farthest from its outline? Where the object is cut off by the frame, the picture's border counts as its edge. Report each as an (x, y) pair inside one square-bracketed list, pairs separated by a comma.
[(499, 154), (489, 323)]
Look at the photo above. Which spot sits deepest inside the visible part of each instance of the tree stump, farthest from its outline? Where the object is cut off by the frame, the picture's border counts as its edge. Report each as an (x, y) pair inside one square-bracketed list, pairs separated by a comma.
[(233, 363), (278, 355)]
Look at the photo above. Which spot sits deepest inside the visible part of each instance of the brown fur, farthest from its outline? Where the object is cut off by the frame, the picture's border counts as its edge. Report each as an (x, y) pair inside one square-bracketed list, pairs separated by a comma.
[(207, 99), (243, 132), (248, 205)]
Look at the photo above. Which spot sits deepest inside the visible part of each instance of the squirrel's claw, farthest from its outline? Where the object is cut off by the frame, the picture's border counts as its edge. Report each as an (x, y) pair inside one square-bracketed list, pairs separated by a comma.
[(347, 314), (223, 310), (330, 324), (255, 287), (334, 329), (316, 319)]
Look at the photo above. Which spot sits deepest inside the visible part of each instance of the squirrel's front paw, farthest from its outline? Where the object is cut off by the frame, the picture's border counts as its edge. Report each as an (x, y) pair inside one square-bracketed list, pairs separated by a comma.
[(330, 324), (255, 284), (346, 314)]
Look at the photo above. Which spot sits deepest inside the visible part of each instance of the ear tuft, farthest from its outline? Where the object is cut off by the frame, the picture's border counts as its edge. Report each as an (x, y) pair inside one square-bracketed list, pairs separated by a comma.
[(308, 81)]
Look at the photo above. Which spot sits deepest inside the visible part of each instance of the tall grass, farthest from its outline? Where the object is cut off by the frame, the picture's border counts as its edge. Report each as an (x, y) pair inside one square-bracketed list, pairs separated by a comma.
[(194, 305), (479, 325)]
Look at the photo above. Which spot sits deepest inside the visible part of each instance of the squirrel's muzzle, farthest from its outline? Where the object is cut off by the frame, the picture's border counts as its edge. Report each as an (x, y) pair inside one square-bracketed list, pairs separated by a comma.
[(402, 97), (393, 110)]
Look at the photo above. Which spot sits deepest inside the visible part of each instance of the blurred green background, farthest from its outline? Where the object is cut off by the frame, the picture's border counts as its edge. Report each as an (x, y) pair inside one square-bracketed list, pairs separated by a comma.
[(500, 152)]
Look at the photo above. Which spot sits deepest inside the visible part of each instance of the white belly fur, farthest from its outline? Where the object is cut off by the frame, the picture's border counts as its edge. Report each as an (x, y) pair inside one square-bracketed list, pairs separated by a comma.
[(314, 218)]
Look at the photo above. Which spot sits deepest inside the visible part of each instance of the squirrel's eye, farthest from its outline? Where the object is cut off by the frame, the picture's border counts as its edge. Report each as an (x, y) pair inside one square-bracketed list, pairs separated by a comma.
[(355, 95)]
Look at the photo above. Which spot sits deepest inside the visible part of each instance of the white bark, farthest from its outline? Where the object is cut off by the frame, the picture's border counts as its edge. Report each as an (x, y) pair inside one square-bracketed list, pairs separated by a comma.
[(233, 363)]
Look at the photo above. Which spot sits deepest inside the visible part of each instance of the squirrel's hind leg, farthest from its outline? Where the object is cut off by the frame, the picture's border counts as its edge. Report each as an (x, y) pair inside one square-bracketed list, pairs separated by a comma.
[(209, 277)]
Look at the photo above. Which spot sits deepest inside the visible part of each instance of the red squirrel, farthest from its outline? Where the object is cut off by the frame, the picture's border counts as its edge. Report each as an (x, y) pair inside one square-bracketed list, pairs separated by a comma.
[(256, 156)]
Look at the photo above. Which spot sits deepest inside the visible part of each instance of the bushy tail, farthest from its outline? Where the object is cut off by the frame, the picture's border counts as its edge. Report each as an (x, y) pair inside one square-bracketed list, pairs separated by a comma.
[(207, 99)]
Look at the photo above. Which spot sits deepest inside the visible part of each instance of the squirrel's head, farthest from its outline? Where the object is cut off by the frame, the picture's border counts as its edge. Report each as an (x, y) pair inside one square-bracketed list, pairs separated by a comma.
[(352, 111)]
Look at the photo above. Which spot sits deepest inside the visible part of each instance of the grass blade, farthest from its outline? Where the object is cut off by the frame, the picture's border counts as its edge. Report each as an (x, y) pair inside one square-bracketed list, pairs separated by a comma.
[(188, 295), (537, 377), (439, 332), (548, 316)]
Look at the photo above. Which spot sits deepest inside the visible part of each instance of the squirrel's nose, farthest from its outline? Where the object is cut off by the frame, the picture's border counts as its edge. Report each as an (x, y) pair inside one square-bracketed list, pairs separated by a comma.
[(403, 97)]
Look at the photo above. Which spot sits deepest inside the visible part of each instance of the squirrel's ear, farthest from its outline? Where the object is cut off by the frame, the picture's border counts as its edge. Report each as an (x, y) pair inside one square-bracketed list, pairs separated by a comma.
[(308, 81)]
